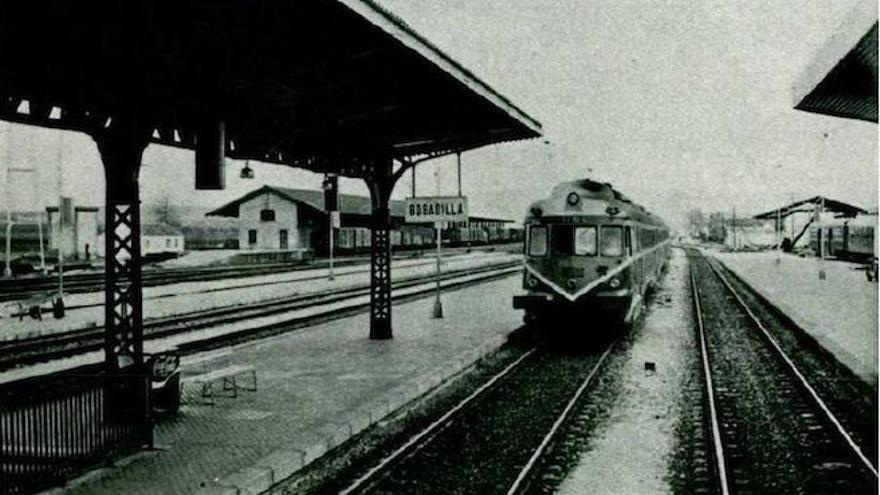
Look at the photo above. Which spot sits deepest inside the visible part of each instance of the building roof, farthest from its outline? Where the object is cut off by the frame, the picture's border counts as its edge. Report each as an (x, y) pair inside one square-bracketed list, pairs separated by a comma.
[(349, 204), (841, 80), (809, 205), (318, 84), (160, 229)]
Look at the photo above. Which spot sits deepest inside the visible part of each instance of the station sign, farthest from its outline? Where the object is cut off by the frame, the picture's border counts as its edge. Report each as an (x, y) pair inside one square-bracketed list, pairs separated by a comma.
[(434, 209)]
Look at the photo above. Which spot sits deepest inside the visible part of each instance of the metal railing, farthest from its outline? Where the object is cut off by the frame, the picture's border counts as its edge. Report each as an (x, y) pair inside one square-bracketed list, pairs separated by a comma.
[(55, 427)]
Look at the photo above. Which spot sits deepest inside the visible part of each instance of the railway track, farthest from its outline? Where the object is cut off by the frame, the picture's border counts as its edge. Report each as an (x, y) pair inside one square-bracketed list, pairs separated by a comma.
[(495, 439), (771, 428), (231, 286), (24, 287), (44, 348)]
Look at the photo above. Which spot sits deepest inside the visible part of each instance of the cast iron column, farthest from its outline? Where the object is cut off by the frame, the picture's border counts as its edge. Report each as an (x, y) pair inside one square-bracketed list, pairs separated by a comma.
[(121, 146), (381, 184)]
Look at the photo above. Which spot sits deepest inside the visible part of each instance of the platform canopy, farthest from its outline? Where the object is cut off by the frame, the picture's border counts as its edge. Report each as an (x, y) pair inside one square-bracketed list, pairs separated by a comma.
[(841, 80), (295, 82), (809, 205)]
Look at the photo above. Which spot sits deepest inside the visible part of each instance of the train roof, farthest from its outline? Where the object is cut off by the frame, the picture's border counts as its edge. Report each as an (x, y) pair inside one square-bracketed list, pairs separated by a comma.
[(592, 199), (859, 221)]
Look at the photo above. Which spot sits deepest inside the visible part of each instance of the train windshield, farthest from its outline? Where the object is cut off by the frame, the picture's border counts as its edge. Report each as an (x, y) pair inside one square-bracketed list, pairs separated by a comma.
[(562, 240), (612, 241), (585, 241), (537, 241)]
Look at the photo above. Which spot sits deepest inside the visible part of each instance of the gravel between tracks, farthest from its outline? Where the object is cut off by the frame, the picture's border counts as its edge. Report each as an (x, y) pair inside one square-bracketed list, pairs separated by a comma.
[(774, 438)]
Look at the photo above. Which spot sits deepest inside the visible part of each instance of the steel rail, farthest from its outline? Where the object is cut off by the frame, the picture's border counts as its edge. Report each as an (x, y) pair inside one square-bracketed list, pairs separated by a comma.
[(224, 288), (435, 426), (536, 455), (22, 288), (32, 350), (720, 463), (795, 371)]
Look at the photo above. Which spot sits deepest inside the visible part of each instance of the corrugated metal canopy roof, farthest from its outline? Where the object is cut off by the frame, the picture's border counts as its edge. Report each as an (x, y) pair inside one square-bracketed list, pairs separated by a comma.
[(298, 82), (809, 205), (842, 78)]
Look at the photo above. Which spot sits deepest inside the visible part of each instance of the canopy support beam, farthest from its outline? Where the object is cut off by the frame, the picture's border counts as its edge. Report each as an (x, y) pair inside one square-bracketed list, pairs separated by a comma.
[(381, 183), (121, 143)]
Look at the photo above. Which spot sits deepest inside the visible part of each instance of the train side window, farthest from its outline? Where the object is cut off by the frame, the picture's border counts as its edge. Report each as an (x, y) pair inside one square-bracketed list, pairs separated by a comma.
[(537, 241), (585, 241), (612, 241)]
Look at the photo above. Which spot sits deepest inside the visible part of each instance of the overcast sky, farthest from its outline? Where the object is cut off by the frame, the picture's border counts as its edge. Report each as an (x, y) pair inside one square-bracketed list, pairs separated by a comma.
[(679, 104)]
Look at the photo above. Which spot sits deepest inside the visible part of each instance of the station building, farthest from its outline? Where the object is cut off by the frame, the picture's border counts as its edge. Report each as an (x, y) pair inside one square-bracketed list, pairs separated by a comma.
[(161, 238), (294, 221)]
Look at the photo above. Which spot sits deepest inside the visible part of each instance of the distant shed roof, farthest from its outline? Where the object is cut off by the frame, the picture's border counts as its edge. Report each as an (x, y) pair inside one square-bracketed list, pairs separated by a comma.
[(809, 205), (160, 229)]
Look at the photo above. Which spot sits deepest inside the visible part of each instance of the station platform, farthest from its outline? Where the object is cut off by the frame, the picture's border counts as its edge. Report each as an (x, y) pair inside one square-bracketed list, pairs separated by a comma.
[(85, 310), (316, 388), (840, 312)]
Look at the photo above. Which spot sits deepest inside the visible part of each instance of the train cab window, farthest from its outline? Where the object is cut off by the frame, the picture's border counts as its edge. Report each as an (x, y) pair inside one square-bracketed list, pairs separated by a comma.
[(612, 241), (562, 240), (628, 241), (585, 241), (537, 241)]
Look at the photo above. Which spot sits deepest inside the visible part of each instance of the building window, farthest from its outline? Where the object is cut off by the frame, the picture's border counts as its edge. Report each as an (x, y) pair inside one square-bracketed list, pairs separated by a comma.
[(252, 237), (267, 215)]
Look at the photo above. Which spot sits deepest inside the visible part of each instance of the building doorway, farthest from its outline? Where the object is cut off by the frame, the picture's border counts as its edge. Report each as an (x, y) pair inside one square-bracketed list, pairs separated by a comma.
[(282, 238)]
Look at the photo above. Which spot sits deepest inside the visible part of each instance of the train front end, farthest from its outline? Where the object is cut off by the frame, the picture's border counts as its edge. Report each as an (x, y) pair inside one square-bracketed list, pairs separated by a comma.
[(577, 244)]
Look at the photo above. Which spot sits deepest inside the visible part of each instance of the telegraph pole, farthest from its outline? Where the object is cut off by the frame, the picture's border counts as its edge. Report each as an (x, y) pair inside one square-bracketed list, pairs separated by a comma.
[(778, 236), (733, 226), (7, 272), (58, 306), (821, 209)]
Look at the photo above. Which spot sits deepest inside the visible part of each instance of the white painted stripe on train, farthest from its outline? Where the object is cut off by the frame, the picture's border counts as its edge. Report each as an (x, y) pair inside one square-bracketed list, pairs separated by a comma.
[(592, 285)]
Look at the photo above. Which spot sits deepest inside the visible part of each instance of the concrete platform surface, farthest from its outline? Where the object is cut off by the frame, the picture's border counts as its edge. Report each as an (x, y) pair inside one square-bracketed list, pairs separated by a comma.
[(316, 388), (840, 312)]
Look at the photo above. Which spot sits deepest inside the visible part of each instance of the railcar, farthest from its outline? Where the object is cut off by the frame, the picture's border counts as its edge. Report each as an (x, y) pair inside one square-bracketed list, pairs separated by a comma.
[(846, 238), (589, 249)]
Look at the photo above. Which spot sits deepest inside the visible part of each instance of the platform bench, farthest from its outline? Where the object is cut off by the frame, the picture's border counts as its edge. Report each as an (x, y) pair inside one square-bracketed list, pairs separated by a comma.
[(231, 379)]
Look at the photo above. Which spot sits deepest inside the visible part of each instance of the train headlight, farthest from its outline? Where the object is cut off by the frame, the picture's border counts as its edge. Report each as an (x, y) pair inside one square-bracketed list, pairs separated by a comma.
[(531, 281), (614, 283), (572, 198), (571, 283)]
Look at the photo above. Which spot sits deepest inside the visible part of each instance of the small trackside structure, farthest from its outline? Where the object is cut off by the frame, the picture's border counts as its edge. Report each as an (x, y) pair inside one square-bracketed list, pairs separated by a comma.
[(333, 86)]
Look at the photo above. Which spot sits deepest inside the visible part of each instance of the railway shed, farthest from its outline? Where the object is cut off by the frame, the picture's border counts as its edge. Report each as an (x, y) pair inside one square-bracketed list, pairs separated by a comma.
[(800, 215), (338, 86)]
